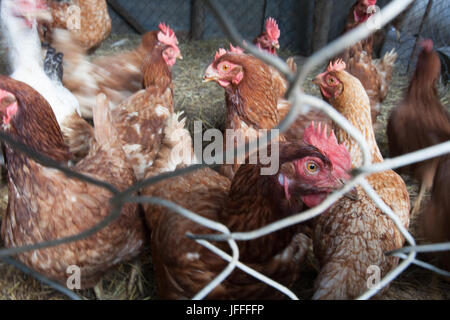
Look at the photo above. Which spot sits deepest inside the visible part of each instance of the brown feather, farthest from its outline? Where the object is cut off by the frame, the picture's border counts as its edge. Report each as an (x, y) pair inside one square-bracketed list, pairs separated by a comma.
[(95, 23), (354, 235), (183, 267), (420, 120), (434, 222), (44, 204), (118, 76), (257, 103), (140, 120)]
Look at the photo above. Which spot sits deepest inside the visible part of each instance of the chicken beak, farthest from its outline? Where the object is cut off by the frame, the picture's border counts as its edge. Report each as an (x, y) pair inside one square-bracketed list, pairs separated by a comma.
[(210, 75), (179, 56), (276, 45)]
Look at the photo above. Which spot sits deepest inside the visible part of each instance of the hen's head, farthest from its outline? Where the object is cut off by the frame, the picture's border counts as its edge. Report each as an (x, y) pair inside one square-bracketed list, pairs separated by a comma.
[(362, 10), (330, 82), (8, 107), (314, 170), (343, 91), (428, 65), (29, 11), (172, 52), (268, 40), (28, 117), (226, 68)]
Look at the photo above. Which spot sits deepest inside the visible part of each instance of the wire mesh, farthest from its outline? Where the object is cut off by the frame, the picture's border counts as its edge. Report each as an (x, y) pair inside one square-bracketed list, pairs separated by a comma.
[(423, 19), (301, 102)]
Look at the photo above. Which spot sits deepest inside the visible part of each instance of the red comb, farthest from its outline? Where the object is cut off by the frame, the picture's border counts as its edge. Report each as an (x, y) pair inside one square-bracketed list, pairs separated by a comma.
[(338, 65), (318, 136), (166, 35), (372, 2), (272, 28), (236, 49), (220, 53), (328, 144), (427, 44)]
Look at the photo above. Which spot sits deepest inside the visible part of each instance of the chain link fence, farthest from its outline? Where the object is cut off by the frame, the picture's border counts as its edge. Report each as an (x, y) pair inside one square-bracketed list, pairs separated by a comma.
[(301, 102), (190, 19), (423, 19)]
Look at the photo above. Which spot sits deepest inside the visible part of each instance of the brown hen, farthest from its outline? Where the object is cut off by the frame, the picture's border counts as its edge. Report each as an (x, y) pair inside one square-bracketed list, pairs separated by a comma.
[(141, 119), (359, 13), (44, 204), (434, 222), (94, 21), (251, 200), (374, 74), (420, 120), (19, 27), (354, 235), (268, 39), (254, 98), (118, 76)]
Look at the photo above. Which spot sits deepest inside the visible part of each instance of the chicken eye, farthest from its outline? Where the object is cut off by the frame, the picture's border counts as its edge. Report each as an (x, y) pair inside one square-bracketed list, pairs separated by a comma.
[(311, 167), (331, 81), (225, 67)]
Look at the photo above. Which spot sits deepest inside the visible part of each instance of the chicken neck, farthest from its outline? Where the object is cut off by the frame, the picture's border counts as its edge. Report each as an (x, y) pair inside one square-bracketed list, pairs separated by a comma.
[(354, 105), (251, 103), (256, 200)]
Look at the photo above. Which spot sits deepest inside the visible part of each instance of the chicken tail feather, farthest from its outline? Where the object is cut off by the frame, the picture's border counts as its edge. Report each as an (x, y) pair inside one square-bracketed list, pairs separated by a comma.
[(385, 68), (105, 133)]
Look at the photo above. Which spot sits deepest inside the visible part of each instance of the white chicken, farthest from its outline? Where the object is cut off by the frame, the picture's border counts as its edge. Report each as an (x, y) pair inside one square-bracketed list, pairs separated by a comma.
[(19, 25)]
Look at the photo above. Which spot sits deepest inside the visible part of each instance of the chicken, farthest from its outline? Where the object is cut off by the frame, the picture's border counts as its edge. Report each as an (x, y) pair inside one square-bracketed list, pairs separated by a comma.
[(44, 204), (140, 120), (307, 173), (352, 237), (19, 25), (253, 98), (420, 120), (118, 76), (360, 12), (268, 39), (434, 222), (90, 28), (375, 75)]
